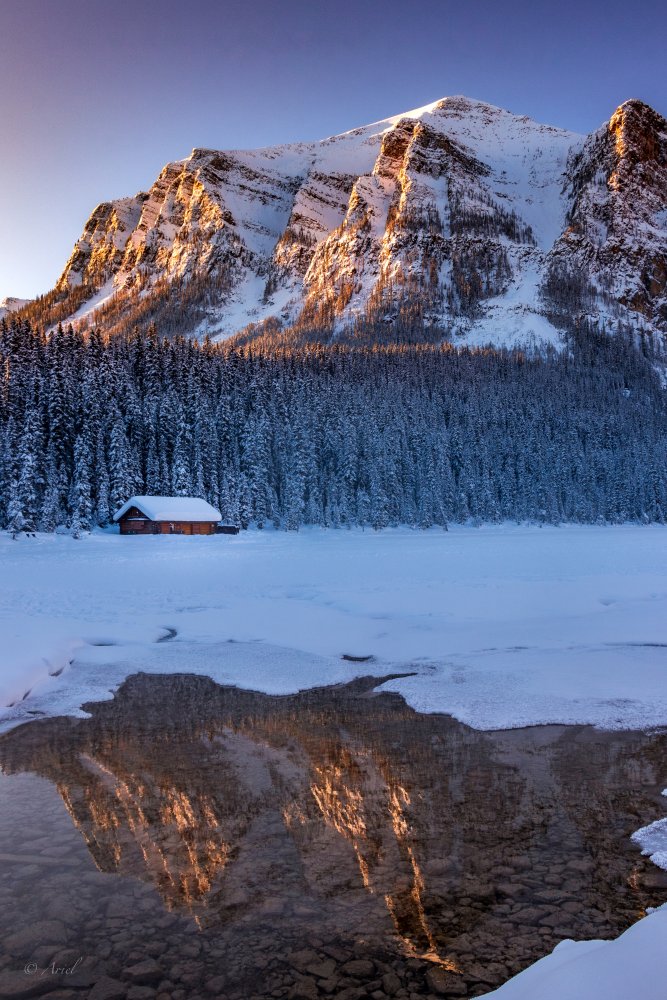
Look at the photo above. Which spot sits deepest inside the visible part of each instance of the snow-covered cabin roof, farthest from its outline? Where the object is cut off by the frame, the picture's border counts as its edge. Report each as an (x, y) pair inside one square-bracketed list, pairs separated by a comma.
[(171, 509)]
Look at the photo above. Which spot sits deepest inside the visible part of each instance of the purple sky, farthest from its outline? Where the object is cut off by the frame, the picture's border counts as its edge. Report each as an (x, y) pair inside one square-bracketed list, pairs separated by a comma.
[(97, 95)]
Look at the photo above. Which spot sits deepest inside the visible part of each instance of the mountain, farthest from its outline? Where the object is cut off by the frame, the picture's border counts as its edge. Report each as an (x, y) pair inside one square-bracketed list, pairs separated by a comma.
[(11, 304), (458, 219)]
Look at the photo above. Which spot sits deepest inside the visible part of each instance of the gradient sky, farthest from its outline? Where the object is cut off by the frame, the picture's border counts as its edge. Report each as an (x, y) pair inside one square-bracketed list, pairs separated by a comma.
[(97, 95)]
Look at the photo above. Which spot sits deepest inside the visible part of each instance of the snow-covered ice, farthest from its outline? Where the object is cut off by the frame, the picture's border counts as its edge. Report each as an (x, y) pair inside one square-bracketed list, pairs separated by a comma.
[(503, 626), (629, 968), (653, 840)]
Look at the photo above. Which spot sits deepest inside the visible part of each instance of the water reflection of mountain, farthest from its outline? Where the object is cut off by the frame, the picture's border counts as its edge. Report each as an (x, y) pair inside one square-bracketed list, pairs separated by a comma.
[(342, 808)]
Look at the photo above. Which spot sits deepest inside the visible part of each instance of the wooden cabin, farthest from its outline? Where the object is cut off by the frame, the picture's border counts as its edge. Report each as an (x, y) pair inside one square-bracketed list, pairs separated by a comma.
[(167, 516)]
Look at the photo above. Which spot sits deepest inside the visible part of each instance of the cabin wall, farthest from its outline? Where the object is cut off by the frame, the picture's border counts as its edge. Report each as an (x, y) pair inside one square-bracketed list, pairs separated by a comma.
[(137, 526), (186, 527)]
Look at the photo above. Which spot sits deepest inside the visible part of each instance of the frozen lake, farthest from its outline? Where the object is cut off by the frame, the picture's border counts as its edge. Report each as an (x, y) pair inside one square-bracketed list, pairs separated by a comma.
[(502, 626)]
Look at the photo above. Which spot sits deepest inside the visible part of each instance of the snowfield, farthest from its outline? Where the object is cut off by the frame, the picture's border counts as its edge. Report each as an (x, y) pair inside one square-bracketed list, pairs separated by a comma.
[(501, 626)]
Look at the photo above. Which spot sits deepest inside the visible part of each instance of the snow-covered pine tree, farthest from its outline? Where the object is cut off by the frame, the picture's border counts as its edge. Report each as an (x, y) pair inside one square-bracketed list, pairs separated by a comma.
[(339, 435), (15, 518), (82, 503)]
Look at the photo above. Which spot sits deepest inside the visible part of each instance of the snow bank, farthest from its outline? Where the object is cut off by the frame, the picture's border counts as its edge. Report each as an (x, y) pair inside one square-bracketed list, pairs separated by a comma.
[(503, 626), (630, 967), (653, 841)]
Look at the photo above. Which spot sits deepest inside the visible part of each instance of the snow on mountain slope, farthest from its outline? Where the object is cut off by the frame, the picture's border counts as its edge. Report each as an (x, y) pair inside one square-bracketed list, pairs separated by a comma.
[(461, 203), (11, 304), (478, 220)]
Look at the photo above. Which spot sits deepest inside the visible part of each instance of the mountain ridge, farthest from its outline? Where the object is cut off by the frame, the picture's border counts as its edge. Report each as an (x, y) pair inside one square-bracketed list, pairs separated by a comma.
[(472, 223), (11, 304)]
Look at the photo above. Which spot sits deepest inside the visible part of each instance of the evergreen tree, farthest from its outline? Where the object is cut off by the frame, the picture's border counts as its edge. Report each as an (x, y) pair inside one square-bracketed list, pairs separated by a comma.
[(338, 435), (82, 504), (15, 518)]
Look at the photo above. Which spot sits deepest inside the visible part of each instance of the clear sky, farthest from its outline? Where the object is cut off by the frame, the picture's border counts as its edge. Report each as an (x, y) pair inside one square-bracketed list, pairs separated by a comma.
[(97, 95)]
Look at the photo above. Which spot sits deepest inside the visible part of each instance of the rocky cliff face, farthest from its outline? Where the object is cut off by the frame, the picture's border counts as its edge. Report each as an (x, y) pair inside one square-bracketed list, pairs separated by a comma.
[(98, 254), (483, 225), (616, 234)]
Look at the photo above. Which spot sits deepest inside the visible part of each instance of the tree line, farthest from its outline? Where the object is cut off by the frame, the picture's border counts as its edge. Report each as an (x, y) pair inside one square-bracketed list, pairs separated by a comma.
[(328, 434)]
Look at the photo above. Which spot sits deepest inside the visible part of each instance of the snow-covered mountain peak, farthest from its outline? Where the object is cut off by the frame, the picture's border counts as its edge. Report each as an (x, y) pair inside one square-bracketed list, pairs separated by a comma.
[(474, 222), (11, 304)]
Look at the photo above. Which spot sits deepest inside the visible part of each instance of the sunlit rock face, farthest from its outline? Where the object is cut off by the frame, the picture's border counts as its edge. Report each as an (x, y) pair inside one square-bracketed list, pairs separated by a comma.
[(341, 812), (456, 221), (98, 254), (615, 243)]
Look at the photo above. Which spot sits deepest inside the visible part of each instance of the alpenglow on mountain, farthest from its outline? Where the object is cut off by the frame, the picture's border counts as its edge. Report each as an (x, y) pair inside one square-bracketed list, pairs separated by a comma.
[(459, 220)]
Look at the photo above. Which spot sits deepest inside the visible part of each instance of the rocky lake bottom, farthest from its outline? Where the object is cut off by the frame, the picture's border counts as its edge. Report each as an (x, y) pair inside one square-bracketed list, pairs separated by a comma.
[(189, 841)]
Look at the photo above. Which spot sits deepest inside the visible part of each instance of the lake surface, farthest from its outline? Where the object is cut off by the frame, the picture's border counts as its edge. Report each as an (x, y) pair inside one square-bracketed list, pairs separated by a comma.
[(195, 841)]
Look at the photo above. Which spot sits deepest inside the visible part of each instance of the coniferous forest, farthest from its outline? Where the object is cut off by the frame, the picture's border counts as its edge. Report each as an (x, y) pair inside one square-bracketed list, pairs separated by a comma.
[(332, 434)]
